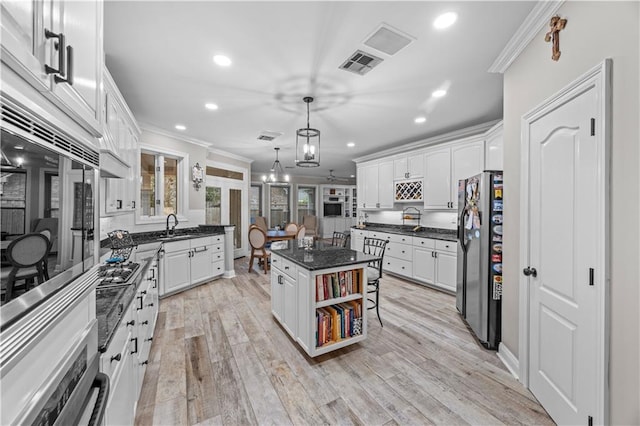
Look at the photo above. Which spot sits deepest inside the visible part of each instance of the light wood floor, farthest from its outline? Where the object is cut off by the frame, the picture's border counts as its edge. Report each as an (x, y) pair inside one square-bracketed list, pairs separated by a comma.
[(218, 357)]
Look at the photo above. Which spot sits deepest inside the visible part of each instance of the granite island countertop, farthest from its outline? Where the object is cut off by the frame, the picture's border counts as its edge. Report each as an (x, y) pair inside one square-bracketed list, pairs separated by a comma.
[(320, 256), (425, 232)]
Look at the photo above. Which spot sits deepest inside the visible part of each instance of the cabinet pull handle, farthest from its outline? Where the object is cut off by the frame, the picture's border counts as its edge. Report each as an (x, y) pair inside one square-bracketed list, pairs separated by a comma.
[(118, 204), (61, 53), (135, 340), (140, 306), (68, 76), (132, 322), (155, 283), (148, 306), (116, 358), (133, 204)]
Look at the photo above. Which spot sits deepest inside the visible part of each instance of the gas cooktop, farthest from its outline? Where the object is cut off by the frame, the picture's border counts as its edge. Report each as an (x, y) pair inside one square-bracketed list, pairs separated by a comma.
[(116, 274)]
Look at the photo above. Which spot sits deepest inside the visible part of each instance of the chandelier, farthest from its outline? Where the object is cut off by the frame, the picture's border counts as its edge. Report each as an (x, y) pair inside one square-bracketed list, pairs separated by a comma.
[(307, 143), (277, 174)]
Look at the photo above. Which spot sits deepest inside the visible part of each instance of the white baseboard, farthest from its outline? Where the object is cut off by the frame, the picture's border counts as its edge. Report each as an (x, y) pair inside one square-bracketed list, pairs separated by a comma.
[(509, 360)]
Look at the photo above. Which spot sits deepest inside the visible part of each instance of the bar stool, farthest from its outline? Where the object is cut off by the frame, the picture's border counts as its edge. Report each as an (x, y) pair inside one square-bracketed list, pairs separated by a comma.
[(374, 247)]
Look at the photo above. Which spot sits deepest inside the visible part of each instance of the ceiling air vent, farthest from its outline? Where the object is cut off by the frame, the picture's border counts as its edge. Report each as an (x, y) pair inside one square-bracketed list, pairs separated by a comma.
[(268, 136), (360, 62), (388, 40)]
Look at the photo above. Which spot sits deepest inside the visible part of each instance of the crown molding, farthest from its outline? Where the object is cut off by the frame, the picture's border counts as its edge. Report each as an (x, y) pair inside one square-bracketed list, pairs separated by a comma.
[(536, 20), (457, 135), (216, 151)]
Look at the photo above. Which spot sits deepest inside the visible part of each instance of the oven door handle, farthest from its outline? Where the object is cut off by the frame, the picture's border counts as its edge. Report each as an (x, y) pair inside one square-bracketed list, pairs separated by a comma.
[(101, 381)]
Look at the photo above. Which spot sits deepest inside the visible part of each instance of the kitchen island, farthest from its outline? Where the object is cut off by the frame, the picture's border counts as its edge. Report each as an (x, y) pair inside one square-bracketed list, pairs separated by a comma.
[(318, 295)]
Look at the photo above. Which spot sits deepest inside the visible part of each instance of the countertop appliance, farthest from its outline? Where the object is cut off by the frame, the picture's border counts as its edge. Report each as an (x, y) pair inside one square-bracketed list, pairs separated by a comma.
[(479, 278)]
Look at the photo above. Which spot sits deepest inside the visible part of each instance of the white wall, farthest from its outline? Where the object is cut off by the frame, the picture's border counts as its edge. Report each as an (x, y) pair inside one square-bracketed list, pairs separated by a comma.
[(595, 31)]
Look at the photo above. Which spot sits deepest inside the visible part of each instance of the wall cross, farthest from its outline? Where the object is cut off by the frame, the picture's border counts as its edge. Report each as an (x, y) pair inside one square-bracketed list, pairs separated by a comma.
[(556, 25)]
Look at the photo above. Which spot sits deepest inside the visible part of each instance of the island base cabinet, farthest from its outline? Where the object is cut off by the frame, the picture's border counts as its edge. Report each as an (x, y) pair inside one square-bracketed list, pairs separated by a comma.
[(307, 316)]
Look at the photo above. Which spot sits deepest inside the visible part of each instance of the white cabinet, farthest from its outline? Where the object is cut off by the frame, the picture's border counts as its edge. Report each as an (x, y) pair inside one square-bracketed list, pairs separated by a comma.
[(357, 239), (467, 159), (57, 48), (284, 294), (408, 166), (435, 262), (189, 262), (118, 152), (493, 150), (445, 166), (375, 189)]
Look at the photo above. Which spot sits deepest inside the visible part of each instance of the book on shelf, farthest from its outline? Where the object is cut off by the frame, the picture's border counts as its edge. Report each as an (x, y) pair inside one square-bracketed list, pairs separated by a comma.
[(336, 322), (337, 284)]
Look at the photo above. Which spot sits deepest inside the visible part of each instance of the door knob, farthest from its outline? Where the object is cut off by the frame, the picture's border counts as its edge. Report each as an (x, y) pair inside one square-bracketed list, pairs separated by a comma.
[(530, 271)]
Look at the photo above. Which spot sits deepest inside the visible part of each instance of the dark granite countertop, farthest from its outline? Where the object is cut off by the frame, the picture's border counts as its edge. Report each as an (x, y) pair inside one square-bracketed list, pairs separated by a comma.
[(112, 302), (433, 233), (179, 234), (321, 256)]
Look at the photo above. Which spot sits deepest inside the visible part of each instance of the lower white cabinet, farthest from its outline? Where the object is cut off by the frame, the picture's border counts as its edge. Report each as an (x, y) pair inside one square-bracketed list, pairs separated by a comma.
[(435, 262), (126, 358), (189, 262), (284, 293), (424, 260)]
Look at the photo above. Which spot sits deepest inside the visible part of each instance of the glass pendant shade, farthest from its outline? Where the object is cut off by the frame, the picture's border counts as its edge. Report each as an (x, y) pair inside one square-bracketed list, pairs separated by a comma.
[(307, 143), (277, 174)]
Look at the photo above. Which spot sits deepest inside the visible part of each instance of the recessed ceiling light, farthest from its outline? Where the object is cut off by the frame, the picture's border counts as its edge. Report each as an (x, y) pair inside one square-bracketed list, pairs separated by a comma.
[(445, 20), (439, 93), (180, 127), (19, 147), (351, 144), (352, 176), (222, 60), (419, 120), (211, 106)]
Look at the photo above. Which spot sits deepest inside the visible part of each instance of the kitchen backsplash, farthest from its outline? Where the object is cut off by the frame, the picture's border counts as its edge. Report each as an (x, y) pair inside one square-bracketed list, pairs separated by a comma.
[(445, 220)]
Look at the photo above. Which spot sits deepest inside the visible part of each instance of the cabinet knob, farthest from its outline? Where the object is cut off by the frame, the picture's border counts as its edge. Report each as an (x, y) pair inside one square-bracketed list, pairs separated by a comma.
[(149, 339), (145, 322), (132, 322), (144, 362), (116, 358)]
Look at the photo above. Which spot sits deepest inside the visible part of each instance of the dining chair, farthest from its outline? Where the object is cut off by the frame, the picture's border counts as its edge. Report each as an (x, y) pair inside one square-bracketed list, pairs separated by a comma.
[(26, 255), (291, 227), (257, 240), (311, 223), (375, 247), (340, 239), (302, 230), (261, 222), (45, 263)]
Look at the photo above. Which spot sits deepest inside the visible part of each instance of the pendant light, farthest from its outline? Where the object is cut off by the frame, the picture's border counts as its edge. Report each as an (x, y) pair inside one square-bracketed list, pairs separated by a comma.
[(277, 174), (307, 143)]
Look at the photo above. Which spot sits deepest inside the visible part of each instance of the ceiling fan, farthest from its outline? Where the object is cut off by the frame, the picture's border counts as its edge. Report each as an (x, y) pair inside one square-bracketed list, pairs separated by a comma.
[(334, 178)]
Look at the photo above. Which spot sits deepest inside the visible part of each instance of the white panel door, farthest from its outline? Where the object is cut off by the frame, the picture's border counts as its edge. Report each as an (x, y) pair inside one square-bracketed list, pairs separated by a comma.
[(424, 265), (177, 270), (437, 179), (370, 184), (446, 270), (563, 248)]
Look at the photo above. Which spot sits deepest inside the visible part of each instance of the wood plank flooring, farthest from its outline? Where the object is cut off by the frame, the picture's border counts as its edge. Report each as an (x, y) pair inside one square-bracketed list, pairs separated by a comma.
[(219, 358)]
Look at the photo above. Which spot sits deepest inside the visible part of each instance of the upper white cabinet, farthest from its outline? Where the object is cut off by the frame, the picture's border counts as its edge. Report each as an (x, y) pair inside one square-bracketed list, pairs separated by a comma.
[(408, 166), (375, 185), (494, 143), (57, 48), (118, 151), (445, 166)]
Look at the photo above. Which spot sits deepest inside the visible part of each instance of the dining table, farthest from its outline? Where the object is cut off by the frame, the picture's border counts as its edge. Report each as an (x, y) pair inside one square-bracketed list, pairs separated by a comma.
[(280, 235)]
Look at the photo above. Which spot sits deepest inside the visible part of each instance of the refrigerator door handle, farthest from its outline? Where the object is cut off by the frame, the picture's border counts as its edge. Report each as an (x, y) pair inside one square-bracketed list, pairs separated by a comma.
[(461, 228)]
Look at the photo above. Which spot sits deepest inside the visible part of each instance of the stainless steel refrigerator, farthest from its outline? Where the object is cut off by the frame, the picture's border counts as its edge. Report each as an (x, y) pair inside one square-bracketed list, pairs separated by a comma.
[(479, 279)]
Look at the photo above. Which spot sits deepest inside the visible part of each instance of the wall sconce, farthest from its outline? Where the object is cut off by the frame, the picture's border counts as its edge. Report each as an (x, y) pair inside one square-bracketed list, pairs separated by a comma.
[(197, 176)]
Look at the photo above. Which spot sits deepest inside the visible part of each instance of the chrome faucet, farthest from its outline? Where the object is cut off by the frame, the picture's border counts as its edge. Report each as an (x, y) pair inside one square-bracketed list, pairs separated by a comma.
[(173, 228)]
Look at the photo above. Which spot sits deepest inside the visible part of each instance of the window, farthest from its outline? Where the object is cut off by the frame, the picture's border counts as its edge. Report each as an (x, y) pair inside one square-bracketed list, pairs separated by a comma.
[(306, 201), (213, 205), (160, 192), (255, 202), (279, 212)]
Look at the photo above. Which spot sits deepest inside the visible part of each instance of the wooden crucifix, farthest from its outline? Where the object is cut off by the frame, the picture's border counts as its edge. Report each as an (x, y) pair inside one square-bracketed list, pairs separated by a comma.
[(556, 25)]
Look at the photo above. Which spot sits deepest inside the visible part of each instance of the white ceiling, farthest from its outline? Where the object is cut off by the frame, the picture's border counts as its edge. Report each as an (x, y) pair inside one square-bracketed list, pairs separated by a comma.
[(160, 55)]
